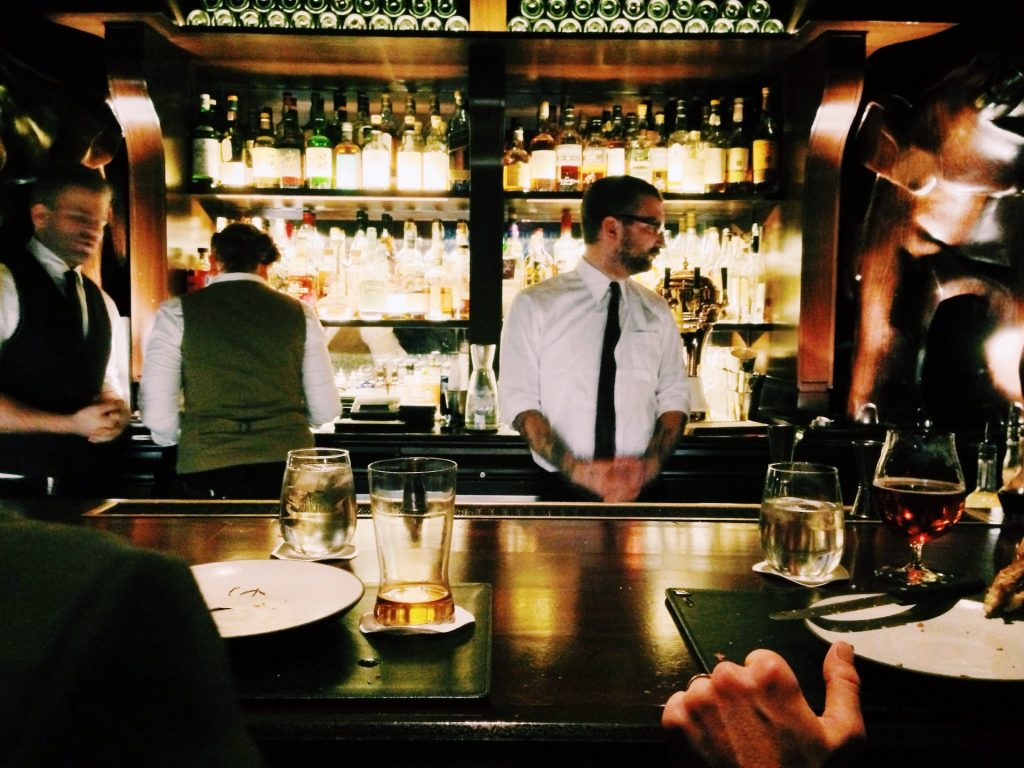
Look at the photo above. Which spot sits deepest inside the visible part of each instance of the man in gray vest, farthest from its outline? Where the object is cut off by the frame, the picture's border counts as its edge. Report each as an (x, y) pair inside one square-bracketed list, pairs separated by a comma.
[(58, 388), (236, 374)]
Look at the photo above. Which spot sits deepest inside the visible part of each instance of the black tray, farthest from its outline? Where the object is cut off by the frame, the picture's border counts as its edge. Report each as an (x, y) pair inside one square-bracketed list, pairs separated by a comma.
[(334, 660)]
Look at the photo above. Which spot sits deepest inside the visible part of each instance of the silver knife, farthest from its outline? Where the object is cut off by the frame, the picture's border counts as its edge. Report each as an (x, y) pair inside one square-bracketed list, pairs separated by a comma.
[(903, 595)]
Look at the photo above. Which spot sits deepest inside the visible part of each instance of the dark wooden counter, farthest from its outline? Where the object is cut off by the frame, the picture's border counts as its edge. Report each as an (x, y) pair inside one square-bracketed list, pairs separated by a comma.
[(584, 649)]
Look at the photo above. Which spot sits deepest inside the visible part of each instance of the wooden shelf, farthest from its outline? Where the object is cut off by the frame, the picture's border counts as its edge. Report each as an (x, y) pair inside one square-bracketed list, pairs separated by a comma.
[(330, 205)]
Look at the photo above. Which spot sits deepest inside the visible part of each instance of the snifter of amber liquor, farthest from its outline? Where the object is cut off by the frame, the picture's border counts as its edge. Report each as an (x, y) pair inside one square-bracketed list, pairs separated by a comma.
[(412, 501)]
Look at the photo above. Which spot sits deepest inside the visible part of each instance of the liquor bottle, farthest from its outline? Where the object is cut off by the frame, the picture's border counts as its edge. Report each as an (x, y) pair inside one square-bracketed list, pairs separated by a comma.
[(595, 156), (983, 500), (206, 150), (566, 248), (569, 153), (765, 148), (319, 155), (515, 163), (557, 9), (265, 171), (616, 140), (732, 9), (638, 152), (714, 150), (583, 9), (389, 134), (338, 116), (706, 11), (633, 9), (609, 10), (420, 9), (445, 8), (289, 150), (232, 147), (658, 10), (459, 271), (376, 161), (737, 161), (348, 169), (439, 298), (682, 9), (677, 147), (458, 146), (543, 164), (531, 9), (659, 154), (1012, 456), (409, 166), (411, 274), (759, 9), (371, 290), (362, 126), (436, 158)]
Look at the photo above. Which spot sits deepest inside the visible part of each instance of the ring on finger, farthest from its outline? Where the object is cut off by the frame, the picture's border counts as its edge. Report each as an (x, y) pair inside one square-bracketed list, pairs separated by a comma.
[(698, 676)]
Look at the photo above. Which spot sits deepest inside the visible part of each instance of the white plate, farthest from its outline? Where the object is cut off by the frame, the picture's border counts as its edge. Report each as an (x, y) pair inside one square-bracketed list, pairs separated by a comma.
[(959, 643), (839, 573), (259, 596)]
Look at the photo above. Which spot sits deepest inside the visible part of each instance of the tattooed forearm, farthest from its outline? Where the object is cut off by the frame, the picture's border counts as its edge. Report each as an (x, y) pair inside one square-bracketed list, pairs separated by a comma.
[(543, 439), (667, 431)]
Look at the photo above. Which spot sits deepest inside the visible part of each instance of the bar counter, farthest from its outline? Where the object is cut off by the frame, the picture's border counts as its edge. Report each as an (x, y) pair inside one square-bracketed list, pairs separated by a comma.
[(584, 650)]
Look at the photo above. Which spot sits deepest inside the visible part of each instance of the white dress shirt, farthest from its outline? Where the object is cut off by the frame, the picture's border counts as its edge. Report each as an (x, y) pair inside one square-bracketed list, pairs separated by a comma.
[(160, 390), (10, 313), (551, 358)]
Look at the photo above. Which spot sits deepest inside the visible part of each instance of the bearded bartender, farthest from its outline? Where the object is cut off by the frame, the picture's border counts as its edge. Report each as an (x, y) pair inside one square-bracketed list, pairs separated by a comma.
[(591, 366), (58, 393)]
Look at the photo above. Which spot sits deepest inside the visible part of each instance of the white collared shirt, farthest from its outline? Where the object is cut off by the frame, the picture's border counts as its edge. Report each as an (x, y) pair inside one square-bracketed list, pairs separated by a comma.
[(551, 358), (160, 390), (55, 266)]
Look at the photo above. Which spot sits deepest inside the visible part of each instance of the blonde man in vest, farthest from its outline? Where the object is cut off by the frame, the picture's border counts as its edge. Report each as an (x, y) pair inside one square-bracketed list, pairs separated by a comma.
[(236, 374)]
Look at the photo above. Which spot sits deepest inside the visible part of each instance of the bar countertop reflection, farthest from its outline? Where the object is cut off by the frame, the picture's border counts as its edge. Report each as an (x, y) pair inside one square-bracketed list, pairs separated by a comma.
[(584, 649)]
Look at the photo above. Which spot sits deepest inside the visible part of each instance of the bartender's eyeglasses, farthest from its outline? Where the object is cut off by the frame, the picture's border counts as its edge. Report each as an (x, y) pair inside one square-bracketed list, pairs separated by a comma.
[(656, 224)]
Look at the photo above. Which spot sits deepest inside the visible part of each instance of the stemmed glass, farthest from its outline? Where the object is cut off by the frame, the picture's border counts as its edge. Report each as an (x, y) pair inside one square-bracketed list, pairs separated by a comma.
[(919, 492)]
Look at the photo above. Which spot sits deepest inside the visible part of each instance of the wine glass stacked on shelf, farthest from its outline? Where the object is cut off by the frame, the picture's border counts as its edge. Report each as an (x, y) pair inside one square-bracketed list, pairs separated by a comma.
[(646, 17), (374, 15)]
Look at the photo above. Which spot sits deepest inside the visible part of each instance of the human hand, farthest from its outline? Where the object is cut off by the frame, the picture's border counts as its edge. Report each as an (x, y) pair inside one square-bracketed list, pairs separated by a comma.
[(102, 421), (756, 715), (612, 480)]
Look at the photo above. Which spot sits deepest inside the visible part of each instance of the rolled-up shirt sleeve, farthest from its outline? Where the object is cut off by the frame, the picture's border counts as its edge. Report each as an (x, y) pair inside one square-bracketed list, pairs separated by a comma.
[(160, 387), (322, 401), (519, 361), (673, 392)]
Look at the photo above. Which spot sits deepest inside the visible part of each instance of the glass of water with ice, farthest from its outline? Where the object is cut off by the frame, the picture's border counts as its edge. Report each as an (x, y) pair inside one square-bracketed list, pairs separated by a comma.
[(318, 501), (802, 519)]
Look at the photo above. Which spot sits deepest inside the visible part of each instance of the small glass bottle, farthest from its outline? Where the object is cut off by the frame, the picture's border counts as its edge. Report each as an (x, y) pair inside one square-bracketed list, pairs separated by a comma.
[(482, 395), (983, 501)]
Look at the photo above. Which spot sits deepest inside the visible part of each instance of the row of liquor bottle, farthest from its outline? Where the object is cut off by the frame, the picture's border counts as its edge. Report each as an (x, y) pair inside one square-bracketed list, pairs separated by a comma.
[(377, 15), (367, 274), (569, 153), (729, 256), (646, 17), (373, 152)]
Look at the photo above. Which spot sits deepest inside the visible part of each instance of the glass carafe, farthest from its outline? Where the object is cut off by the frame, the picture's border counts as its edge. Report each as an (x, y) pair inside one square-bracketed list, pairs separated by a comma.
[(482, 396)]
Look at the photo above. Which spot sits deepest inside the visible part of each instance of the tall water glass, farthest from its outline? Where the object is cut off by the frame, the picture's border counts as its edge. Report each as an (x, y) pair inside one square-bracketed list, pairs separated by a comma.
[(802, 519), (412, 501), (318, 501)]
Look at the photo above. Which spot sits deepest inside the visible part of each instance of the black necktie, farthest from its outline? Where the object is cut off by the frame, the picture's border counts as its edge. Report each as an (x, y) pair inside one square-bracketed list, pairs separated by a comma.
[(74, 303), (604, 430)]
